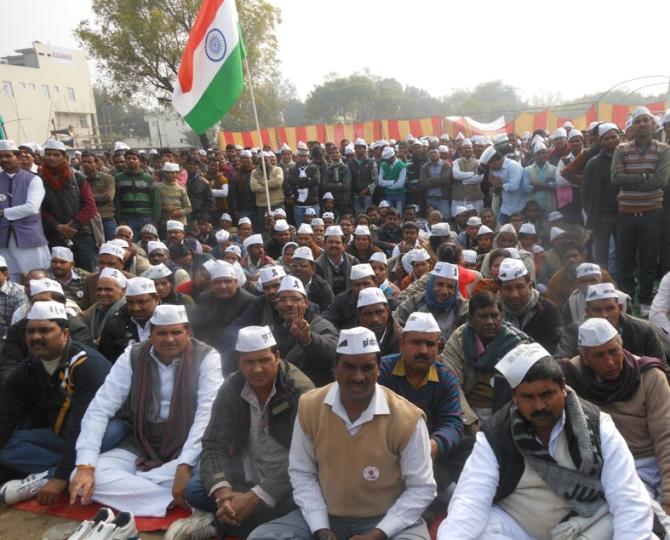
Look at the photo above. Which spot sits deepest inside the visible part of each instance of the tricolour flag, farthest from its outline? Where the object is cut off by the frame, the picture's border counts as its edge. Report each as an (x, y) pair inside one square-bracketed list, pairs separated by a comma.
[(211, 75)]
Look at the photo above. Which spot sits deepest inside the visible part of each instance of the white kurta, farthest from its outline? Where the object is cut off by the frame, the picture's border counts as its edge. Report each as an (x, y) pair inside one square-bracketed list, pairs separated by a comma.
[(22, 260)]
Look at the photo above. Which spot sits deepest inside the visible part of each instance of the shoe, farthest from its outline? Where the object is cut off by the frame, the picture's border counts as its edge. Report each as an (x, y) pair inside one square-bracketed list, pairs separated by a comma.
[(122, 528), (21, 490), (200, 526), (104, 515)]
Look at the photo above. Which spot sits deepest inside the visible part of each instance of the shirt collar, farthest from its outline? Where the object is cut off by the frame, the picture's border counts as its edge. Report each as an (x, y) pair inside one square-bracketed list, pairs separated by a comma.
[(377, 406), (431, 374), (248, 395), (5, 287)]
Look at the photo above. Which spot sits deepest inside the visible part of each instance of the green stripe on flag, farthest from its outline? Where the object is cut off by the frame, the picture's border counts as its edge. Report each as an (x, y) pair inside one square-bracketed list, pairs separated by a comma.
[(221, 94)]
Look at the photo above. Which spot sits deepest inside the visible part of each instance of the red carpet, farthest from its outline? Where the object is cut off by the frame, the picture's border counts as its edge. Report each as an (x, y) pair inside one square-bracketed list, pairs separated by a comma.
[(77, 512)]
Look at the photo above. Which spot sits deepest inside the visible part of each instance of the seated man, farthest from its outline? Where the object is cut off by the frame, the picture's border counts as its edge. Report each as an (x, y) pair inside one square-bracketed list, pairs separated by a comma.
[(244, 466), (472, 352), (360, 457), (420, 378), (167, 384), (130, 324), (574, 308), (304, 268), (547, 465), (42, 405), (110, 295), (636, 395), (304, 338), (110, 256), (12, 297), (342, 311), (63, 270), (374, 313), (602, 300), (524, 308), (334, 264)]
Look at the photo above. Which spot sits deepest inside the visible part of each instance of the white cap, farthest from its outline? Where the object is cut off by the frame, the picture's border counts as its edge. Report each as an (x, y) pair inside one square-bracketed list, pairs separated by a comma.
[(527, 228), (502, 138), (388, 153), (243, 220), (443, 149), (360, 271), (595, 332), (202, 152), (120, 242), (484, 230), (290, 283), (469, 256), (303, 252), (487, 154), (62, 253), (281, 225), (555, 233), (233, 248), (357, 340), (222, 235), (112, 249), (460, 136), (370, 296), (567, 125), (474, 221), (114, 274), (279, 212), (253, 240), (140, 285), (120, 145), (606, 127), (222, 269), (421, 322), (466, 142), (155, 245), (384, 204), (600, 291), (440, 229), (38, 286), (316, 221), (167, 314), (554, 216), (559, 133), (305, 228), (460, 210), (507, 228), (445, 270), (246, 153), (254, 338), (285, 148), (362, 230), (53, 144), (420, 255), (588, 269), (539, 147), (271, 272), (42, 311), (7, 145), (158, 271), (378, 256), (170, 167), (333, 230), (516, 363), (174, 225), (575, 133), (328, 196), (511, 269), (328, 215), (640, 111)]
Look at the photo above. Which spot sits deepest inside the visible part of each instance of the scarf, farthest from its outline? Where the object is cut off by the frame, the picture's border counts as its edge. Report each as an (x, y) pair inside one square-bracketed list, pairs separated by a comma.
[(56, 177), (145, 401), (520, 317), (581, 488), (432, 301), (99, 318), (508, 338), (336, 170), (588, 386)]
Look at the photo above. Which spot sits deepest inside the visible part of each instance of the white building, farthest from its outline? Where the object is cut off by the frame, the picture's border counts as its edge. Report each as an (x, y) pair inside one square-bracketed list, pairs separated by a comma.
[(45, 89), (167, 129)]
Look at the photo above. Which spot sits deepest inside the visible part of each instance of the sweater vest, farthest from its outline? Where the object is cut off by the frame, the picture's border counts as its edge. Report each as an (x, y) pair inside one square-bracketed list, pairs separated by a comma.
[(135, 193), (466, 192), (27, 231), (632, 201), (393, 173), (359, 475)]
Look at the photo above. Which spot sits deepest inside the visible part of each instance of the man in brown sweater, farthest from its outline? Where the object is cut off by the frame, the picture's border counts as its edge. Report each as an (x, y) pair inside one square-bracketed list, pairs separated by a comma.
[(634, 391), (360, 462)]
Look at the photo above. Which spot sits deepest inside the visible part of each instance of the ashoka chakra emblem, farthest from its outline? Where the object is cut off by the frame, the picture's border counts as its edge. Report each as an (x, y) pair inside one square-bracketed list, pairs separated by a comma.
[(215, 45)]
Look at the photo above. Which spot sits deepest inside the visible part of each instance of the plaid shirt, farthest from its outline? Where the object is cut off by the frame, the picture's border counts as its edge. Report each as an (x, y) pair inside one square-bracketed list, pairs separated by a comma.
[(11, 297), (75, 288)]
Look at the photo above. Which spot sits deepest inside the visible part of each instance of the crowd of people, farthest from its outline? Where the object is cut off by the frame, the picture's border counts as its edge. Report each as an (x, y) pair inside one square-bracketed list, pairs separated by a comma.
[(343, 341)]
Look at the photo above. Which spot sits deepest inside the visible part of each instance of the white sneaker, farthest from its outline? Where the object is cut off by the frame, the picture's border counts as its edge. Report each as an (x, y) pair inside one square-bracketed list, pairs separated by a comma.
[(122, 528), (104, 515), (21, 490), (199, 526)]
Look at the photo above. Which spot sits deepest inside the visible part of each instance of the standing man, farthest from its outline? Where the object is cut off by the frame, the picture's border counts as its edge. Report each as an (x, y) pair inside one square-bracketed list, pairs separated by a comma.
[(392, 176), (506, 179), (466, 185), (302, 186), (338, 182), (104, 188), (22, 240), (364, 174), (435, 180), (641, 169), (541, 176), (199, 193), (275, 186), (360, 462)]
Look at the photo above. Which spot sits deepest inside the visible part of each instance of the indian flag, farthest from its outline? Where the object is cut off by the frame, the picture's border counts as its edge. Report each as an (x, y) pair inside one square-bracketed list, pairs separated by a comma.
[(211, 76)]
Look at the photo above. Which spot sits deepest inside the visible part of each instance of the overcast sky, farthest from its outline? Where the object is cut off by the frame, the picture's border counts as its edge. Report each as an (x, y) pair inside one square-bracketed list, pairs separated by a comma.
[(571, 47)]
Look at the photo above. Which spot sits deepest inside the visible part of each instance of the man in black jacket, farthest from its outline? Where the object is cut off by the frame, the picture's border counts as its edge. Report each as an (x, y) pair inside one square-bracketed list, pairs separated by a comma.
[(602, 300), (304, 268), (364, 174), (374, 313), (342, 311), (199, 193), (302, 184), (42, 406), (244, 471)]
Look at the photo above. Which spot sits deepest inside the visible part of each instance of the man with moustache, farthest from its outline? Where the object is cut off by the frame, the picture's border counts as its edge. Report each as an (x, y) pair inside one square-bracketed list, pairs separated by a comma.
[(374, 313)]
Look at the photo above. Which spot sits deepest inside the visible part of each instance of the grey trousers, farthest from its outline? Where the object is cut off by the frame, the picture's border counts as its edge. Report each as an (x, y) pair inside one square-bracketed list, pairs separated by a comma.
[(293, 527)]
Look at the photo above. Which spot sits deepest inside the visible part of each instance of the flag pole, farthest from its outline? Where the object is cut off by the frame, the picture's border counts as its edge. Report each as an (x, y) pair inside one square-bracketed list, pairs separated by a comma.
[(258, 130)]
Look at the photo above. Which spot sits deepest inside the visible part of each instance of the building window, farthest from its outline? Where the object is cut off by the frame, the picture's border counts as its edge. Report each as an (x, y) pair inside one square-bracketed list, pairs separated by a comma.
[(7, 89), (45, 90), (70, 93), (83, 121), (55, 89)]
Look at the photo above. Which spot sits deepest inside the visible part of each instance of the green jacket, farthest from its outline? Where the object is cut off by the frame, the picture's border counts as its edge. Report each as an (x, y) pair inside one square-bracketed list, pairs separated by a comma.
[(137, 196)]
